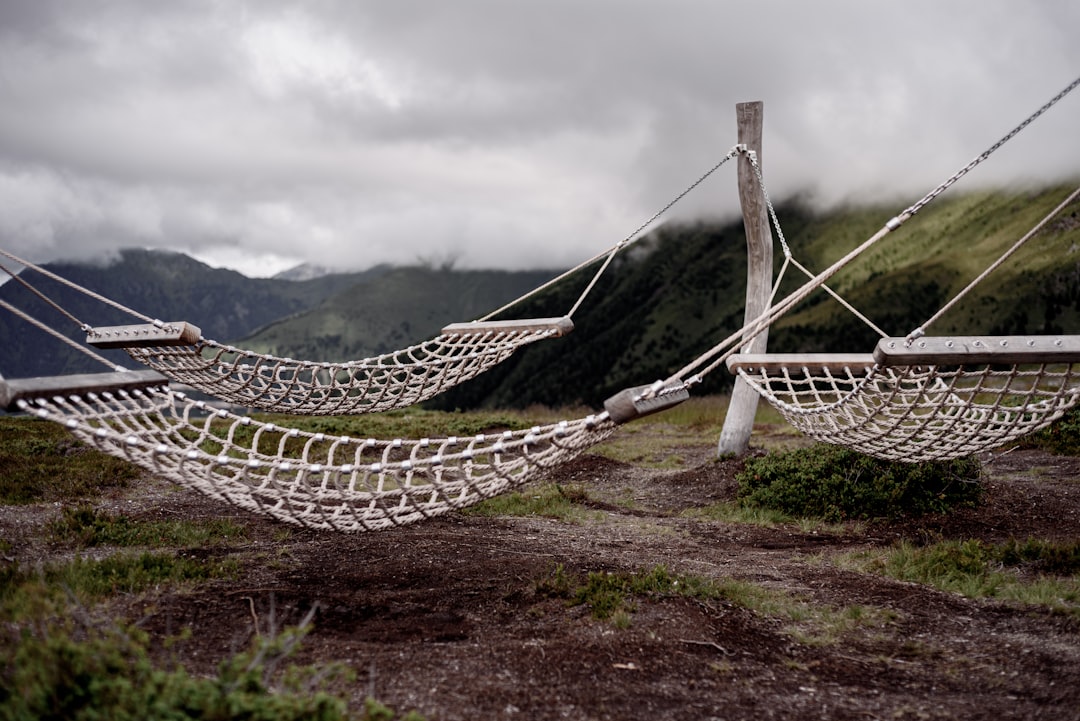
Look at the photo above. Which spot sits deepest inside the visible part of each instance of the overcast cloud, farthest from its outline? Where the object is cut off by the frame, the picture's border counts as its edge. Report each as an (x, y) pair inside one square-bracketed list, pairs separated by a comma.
[(494, 133)]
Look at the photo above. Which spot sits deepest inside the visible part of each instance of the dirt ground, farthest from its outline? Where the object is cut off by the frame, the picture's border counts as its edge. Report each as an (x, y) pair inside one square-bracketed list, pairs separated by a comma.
[(446, 617)]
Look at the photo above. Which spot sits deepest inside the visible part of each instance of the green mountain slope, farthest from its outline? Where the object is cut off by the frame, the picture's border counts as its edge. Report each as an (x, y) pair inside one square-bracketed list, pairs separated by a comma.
[(659, 310), (167, 286), (670, 297), (399, 308)]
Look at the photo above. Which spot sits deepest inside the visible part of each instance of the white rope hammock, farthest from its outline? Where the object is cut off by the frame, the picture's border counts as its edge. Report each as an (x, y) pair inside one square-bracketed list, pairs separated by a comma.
[(283, 385), (311, 479), (939, 407)]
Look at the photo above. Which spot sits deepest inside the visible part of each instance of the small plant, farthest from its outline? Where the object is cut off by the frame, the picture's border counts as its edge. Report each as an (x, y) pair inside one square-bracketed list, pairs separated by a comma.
[(836, 484), (1061, 437), (977, 569), (607, 593), (70, 668), (85, 526)]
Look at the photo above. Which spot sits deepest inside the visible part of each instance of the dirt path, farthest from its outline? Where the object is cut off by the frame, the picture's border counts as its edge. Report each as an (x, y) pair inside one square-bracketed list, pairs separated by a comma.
[(450, 617)]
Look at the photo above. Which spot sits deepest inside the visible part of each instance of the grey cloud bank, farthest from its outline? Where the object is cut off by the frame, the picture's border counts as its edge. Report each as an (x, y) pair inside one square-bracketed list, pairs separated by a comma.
[(498, 134)]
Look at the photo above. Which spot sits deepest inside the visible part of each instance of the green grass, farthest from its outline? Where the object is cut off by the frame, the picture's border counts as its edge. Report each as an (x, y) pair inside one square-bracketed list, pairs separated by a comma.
[(89, 580), (549, 500), (83, 581), (730, 512), (40, 461), (84, 526), (612, 596), (1034, 571)]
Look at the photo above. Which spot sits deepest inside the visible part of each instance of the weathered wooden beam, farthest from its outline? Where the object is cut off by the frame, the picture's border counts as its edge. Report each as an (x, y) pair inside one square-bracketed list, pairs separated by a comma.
[(144, 335), (971, 350), (16, 389), (640, 401), (739, 421), (794, 363), (561, 326)]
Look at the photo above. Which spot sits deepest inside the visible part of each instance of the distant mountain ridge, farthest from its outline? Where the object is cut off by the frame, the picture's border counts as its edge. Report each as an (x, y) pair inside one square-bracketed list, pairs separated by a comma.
[(168, 286), (676, 295)]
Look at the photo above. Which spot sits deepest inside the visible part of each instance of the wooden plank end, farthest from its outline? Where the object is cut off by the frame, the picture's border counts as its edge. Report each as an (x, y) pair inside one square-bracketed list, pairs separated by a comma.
[(16, 389), (144, 335), (978, 350), (561, 326)]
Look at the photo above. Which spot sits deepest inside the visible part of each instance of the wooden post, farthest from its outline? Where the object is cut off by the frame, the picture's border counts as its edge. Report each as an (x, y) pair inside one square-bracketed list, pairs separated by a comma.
[(739, 421)]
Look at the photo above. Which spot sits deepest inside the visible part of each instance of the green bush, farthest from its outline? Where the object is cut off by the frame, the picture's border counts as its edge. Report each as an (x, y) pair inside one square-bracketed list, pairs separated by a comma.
[(68, 670), (1061, 437), (836, 484)]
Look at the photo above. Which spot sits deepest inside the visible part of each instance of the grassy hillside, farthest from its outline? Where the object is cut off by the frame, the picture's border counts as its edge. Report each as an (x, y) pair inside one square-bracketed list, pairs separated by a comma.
[(400, 307), (904, 280), (671, 297), (658, 310), (168, 286)]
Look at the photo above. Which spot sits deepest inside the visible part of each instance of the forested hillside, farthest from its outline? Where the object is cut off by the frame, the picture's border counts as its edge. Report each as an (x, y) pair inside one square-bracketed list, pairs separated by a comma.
[(670, 297), (654, 312)]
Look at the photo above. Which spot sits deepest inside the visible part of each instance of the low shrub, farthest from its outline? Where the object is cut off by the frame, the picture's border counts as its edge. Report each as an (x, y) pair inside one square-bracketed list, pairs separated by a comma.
[(837, 484), (1061, 437), (73, 669)]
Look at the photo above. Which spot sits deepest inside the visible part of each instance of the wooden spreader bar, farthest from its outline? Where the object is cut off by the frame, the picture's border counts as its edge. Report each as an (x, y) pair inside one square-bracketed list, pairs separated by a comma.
[(561, 326), (974, 350), (12, 391), (793, 363), (629, 404), (144, 335)]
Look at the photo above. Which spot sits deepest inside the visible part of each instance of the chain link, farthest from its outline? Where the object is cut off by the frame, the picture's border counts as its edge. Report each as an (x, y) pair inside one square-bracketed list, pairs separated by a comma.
[(986, 154)]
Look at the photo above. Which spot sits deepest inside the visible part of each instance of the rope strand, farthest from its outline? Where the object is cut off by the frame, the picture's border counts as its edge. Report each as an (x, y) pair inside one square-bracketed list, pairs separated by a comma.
[(59, 336), (995, 265), (610, 254), (75, 286)]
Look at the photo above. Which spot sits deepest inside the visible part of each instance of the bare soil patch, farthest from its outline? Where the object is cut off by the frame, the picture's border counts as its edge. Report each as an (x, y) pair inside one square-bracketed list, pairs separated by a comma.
[(446, 617)]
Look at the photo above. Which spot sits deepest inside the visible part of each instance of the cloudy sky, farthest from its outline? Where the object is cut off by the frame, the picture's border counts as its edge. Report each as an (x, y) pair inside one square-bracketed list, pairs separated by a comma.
[(494, 133)]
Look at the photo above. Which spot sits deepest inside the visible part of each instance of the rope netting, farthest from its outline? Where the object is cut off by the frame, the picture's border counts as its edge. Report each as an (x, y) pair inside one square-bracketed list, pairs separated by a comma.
[(385, 382), (316, 480), (918, 413)]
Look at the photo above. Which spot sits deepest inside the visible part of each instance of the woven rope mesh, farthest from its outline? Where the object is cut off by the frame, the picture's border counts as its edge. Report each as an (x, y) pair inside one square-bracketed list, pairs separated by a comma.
[(313, 479), (283, 385), (920, 413)]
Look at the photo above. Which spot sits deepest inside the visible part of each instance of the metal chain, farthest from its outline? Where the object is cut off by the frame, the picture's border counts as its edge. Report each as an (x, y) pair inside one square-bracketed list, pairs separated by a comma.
[(752, 157), (986, 154)]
